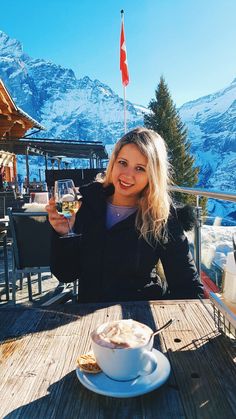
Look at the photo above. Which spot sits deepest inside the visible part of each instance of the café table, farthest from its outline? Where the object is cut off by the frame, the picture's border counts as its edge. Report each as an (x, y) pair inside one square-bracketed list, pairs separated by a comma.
[(39, 351)]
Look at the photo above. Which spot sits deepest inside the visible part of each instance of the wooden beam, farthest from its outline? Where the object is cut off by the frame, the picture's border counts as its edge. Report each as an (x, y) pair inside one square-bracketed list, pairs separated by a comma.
[(18, 129), (5, 124), (4, 103)]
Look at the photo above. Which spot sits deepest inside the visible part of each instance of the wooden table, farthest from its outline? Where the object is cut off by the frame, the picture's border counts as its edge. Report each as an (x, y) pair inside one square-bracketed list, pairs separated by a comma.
[(39, 350)]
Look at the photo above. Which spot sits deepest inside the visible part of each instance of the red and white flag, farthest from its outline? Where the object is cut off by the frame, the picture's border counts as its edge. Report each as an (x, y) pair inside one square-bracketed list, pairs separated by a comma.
[(123, 56)]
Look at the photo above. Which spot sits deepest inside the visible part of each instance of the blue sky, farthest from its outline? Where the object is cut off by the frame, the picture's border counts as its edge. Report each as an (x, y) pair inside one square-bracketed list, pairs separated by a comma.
[(190, 42)]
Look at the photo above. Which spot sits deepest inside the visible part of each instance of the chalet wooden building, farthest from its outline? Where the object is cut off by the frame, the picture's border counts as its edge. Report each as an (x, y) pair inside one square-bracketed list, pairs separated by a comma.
[(14, 123), (15, 139)]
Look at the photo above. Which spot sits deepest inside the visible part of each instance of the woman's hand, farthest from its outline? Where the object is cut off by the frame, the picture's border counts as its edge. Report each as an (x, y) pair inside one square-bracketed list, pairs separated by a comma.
[(58, 221)]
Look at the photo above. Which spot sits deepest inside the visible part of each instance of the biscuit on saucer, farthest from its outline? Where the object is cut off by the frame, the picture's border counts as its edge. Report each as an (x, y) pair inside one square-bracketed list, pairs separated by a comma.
[(87, 363)]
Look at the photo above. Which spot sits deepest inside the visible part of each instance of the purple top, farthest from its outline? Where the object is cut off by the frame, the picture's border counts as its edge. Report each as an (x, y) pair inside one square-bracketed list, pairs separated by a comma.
[(117, 213)]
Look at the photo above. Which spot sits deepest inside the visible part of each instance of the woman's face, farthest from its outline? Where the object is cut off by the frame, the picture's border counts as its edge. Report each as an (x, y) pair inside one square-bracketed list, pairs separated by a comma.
[(129, 175)]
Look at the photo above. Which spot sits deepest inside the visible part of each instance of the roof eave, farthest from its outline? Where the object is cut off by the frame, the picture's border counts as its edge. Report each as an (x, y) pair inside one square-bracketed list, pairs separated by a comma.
[(36, 123)]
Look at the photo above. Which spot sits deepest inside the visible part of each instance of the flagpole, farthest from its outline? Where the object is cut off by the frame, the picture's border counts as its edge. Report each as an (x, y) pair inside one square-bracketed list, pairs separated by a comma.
[(125, 128), (123, 66), (124, 87)]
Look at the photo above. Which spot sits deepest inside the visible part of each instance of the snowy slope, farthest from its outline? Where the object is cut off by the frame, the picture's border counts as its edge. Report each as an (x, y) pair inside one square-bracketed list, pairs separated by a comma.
[(211, 122), (85, 109), (69, 108)]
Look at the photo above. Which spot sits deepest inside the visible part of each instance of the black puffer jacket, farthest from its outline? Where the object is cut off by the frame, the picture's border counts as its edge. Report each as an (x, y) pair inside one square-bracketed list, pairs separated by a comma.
[(114, 264)]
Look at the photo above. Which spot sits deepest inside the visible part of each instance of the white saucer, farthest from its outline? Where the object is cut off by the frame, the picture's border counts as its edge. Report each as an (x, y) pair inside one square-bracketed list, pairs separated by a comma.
[(101, 384)]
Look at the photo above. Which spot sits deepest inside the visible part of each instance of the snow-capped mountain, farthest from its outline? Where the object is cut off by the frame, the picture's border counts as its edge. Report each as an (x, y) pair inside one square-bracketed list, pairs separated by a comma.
[(70, 108), (85, 109), (211, 122)]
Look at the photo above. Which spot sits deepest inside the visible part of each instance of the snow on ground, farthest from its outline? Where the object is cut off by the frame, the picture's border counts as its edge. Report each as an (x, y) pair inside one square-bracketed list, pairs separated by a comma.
[(216, 243)]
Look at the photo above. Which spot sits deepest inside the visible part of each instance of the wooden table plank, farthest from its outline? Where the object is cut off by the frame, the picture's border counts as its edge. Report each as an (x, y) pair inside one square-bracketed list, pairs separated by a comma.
[(189, 351), (38, 377)]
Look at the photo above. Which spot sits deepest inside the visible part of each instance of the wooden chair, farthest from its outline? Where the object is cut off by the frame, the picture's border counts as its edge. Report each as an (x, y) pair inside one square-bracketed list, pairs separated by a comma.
[(3, 244), (31, 246), (9, 199)]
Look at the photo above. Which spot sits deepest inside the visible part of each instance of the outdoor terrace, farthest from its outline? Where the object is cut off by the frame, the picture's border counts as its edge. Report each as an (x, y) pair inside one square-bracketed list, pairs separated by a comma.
[(41, 340), (210, 243)]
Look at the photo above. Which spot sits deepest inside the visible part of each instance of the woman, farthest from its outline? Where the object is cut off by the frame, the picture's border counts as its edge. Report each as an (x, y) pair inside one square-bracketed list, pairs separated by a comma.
[(126, 224)]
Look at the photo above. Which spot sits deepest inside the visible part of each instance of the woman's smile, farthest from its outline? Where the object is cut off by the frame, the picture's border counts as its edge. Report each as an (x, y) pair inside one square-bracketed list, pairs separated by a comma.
[(124, 184), (129, 175)]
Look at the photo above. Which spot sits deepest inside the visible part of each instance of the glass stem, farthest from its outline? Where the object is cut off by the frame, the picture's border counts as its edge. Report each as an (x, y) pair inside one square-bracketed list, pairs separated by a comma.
[(68, 220)]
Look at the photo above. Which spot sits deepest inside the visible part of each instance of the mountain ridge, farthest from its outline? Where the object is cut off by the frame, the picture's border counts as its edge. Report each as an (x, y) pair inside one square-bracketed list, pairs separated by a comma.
[(53, 95), (87, 109)]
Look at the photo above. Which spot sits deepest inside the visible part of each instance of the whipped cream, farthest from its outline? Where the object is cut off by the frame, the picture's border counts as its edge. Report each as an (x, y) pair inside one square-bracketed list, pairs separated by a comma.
[(122, 334)]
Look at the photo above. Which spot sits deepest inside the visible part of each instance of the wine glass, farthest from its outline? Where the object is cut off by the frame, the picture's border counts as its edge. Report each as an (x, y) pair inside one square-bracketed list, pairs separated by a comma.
[(66, 202)]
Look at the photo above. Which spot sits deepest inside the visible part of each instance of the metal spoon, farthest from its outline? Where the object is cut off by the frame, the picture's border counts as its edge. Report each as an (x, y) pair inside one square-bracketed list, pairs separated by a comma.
[(162, 328)]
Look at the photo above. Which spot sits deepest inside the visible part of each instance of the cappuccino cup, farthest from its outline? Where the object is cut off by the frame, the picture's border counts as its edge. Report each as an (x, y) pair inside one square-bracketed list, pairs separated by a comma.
[(123, 349)]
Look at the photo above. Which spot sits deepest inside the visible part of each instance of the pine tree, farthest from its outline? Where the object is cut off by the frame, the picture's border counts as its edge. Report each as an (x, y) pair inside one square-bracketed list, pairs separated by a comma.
[(165, 120)]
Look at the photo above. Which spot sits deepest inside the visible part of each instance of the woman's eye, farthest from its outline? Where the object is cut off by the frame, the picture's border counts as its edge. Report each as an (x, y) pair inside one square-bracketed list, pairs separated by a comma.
[(122, 162), (140, 169)]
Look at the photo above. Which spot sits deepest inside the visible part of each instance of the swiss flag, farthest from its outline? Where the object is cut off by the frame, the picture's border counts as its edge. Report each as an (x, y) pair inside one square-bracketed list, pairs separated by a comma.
[(123, 57)]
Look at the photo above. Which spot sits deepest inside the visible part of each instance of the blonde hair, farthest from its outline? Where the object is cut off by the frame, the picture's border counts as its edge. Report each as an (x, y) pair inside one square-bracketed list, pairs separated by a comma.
[(154, 202)]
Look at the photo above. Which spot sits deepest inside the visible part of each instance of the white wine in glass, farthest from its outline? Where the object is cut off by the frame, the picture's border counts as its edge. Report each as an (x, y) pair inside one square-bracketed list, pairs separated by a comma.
[(66, 201)]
